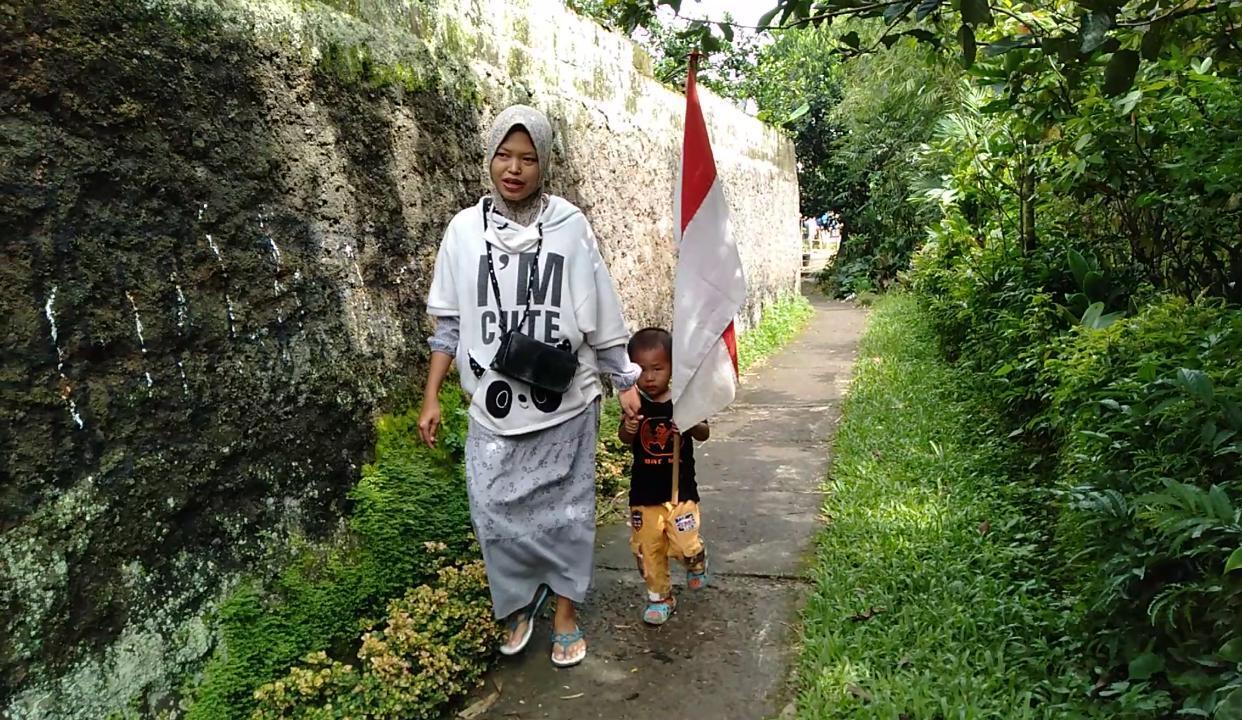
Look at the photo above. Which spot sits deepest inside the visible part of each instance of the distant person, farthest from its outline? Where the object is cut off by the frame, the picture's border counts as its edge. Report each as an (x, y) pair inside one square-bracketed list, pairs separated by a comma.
[(662, 526), (812, 229)]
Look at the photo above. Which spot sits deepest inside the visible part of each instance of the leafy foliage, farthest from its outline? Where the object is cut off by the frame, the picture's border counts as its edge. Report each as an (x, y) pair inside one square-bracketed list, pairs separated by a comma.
[(797, 82), (1122, 110), (729, 55), (1128, 418), (435, 643), (1072, 38), (857, 129), (1080, 266), (1148, 413), (410, 508), (1116, 574)]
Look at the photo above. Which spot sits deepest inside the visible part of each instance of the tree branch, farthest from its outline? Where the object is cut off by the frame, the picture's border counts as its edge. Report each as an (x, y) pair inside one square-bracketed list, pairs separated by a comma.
[(889, 28), (1181, 11), (1028, 22), (794, 25), (839, 13), (1177, 13)]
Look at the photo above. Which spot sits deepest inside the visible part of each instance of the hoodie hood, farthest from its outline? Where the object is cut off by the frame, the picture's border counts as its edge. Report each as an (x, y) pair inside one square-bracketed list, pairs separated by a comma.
[(508, 235)]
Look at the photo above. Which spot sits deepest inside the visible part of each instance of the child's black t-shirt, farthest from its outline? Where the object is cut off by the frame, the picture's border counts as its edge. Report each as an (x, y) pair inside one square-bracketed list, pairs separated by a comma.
[(651, 480)]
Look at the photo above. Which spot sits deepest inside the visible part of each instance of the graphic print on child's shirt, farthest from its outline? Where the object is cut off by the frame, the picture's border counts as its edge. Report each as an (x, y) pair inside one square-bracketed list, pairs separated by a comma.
[(652, 475)]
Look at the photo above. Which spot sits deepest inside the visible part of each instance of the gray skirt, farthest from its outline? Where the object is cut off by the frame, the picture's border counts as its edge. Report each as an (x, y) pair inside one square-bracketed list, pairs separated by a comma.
[(532, 504)]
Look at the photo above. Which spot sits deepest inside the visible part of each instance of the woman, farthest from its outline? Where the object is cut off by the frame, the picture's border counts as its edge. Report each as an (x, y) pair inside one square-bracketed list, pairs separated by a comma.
[(527, 261)]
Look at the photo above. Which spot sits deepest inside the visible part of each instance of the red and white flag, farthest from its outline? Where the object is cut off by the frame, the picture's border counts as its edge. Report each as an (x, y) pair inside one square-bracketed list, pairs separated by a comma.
[(710, 288)]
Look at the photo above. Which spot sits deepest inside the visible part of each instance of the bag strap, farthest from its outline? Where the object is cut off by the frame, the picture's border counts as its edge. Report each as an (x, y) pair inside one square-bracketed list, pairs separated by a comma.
[(491, 272)]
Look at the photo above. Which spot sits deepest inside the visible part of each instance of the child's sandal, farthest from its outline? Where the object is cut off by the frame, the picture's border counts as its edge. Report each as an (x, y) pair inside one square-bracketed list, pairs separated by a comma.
[(697, 580), (658, 612)]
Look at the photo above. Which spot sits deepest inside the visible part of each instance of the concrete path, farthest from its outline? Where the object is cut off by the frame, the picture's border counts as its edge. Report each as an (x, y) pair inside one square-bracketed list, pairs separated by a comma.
[(726, 653)]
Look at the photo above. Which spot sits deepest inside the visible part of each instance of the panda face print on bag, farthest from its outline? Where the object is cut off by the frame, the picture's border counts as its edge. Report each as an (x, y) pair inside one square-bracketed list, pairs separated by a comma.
[(501, 396)]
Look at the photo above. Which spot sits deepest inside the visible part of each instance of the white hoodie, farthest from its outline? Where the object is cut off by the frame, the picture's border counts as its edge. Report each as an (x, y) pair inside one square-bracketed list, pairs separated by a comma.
[(574, 300)]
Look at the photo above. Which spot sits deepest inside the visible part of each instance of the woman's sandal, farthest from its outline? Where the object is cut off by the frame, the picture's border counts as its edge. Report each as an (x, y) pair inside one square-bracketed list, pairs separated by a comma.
[(565, 641), (658, 612), (527, 614)]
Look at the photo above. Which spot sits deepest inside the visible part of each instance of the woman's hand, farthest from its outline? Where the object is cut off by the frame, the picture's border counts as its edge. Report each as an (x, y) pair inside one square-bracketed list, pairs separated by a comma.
[(429, 416), (631, 404), (429, 420)]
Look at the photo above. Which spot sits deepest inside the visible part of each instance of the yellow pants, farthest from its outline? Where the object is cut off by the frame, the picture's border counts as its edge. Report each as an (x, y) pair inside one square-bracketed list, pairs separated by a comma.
[(660, 532)]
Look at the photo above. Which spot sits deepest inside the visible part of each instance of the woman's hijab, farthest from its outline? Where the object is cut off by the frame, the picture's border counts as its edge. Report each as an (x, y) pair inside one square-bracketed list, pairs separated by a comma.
[(539, 129)]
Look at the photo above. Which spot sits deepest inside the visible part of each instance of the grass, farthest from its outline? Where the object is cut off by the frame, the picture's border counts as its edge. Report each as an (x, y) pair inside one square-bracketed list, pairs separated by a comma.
[(782, 321), (929, 601)]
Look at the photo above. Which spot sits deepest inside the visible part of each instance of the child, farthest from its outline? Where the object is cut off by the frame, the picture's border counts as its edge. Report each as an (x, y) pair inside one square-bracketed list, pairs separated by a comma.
[(660, 528)]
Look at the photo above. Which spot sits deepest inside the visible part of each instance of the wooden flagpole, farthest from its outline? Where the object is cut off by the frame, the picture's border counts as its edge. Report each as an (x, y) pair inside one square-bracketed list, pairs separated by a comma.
[(676, 468)]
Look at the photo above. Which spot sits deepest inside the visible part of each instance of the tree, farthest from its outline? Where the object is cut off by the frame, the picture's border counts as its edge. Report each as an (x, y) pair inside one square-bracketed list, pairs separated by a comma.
[(1072, 36), (729, 56)]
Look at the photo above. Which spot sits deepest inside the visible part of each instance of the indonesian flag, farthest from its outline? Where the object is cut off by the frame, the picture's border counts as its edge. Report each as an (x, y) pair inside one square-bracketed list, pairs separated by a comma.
[(710, 288)]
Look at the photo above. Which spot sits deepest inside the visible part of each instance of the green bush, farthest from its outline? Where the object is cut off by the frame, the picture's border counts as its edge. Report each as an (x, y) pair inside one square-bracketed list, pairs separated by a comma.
[(409, 507), (996, 315), (434, 645), (1067, 216), (1147, 414), (1127, 406), (409, 502)]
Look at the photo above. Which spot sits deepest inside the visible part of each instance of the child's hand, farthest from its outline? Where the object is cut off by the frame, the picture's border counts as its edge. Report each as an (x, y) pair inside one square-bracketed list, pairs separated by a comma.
[(632, 423)]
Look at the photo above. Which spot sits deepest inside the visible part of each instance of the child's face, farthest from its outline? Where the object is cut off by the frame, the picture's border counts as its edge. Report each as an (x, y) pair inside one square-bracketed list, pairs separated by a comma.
[(657, 370)]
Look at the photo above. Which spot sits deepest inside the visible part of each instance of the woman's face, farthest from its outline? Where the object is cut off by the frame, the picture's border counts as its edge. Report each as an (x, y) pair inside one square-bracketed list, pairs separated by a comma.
[(515, 167)]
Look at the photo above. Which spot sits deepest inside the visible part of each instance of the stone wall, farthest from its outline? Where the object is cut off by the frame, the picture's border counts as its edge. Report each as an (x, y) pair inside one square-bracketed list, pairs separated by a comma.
[(218, 226)]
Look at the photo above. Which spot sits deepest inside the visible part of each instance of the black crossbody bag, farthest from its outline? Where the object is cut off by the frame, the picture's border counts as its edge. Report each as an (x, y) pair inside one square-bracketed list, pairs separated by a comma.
[(520, 356)]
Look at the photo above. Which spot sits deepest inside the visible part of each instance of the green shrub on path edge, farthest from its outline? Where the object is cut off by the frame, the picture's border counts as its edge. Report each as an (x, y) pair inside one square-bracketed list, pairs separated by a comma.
[(410, 508), (1129, 429), (434, 645), (1088, 574)]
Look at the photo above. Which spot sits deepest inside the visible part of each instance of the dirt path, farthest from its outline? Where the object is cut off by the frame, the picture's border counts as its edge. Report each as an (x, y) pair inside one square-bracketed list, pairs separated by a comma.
[(726, 653)]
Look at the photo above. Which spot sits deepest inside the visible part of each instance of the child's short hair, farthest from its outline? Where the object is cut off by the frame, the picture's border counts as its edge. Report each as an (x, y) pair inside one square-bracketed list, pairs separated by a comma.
[(652, 338)]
